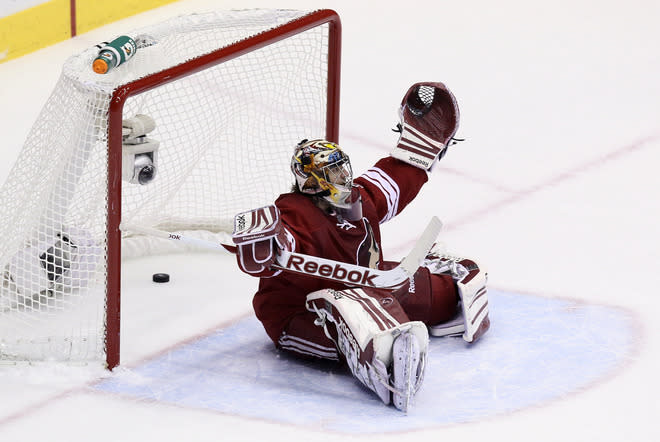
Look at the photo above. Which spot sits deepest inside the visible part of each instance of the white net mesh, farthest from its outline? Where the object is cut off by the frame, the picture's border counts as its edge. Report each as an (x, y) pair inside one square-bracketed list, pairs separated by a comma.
[(225, 135)]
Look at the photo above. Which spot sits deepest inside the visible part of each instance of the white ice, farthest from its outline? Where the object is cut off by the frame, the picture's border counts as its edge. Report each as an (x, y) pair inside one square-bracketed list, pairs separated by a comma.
[(555, 189)]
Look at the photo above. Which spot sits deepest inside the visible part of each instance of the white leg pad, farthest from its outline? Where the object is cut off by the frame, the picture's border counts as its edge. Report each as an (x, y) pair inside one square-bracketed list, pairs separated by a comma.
[(366, 336), (471, 281), (474, 304)]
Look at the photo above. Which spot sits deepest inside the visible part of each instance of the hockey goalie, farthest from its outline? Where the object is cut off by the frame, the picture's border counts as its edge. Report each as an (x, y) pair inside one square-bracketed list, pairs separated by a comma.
[(381, 334)]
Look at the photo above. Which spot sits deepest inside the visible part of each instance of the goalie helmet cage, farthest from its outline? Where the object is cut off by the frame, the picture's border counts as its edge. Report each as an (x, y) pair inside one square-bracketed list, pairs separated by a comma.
[(230, 93)]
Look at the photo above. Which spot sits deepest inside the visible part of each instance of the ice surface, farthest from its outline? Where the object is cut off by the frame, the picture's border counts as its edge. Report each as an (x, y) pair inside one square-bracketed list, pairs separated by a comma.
[(539, 350)]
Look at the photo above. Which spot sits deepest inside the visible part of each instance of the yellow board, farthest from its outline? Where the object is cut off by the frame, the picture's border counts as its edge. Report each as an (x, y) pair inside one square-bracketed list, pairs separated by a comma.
[(34, 28), (50, 22), (91, 14)]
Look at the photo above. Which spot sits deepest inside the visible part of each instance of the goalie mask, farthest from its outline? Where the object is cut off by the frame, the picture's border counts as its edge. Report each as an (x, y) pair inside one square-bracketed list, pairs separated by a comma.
[(322, 169)]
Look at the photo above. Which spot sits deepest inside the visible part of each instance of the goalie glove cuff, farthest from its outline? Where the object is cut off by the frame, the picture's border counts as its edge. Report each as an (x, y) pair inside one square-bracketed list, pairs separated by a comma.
[(417, 149)]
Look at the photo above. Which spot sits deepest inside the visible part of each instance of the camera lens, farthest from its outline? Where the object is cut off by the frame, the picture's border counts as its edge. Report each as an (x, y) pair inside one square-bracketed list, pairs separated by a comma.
[(144, 169), (146, 174)]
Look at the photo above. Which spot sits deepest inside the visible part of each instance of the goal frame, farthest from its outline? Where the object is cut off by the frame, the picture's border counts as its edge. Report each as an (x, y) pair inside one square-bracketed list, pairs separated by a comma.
[(115, 113)]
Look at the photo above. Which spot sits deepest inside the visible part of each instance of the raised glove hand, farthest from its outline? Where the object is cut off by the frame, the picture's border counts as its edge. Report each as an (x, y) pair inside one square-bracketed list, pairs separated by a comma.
[(428, 120)]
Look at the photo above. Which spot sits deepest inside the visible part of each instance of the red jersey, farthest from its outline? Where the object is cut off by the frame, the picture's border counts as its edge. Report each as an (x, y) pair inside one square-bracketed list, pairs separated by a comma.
[(385, 190)]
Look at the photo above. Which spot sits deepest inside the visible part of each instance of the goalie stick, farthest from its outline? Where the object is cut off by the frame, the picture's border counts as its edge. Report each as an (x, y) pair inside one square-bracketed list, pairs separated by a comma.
[(314, 266)]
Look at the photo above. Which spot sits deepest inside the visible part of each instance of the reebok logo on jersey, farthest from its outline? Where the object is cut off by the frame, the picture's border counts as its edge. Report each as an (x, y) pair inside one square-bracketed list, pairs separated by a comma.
[(336, 272)]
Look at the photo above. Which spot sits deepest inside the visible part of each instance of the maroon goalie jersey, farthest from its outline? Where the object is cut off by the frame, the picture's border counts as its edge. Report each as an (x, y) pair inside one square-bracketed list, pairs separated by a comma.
[(385, 189)]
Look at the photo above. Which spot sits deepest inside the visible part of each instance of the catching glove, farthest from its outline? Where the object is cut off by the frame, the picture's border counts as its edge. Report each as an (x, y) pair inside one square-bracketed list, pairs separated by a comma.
[(428, 120)]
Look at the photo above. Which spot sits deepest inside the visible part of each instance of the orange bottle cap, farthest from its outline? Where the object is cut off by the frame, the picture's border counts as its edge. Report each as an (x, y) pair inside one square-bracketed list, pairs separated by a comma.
[(100, 66)]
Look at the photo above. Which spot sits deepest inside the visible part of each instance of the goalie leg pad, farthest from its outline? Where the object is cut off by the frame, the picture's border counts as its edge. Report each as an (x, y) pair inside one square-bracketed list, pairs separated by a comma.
[(474, 303), (365, 333), (471, 283)]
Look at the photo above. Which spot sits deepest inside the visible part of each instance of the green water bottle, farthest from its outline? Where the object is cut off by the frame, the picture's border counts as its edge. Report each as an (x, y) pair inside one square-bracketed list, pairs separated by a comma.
[(114, 53)]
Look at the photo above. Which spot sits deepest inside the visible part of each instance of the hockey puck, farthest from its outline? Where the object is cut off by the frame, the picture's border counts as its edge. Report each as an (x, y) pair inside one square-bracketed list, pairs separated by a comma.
[(161, 277)]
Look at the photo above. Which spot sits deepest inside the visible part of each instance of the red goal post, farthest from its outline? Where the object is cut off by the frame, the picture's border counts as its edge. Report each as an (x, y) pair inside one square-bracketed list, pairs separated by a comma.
[(252, 43)]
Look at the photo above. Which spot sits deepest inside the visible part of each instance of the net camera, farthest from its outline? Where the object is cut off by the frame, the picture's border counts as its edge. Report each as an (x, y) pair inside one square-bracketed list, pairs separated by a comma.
[(139, 153)]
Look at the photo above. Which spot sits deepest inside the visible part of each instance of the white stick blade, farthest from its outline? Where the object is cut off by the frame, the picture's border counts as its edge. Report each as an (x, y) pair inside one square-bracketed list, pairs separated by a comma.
[(411, 263)]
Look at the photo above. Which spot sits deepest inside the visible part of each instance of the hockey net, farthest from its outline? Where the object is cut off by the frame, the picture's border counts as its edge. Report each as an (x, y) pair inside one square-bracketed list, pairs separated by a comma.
[(230, 93)]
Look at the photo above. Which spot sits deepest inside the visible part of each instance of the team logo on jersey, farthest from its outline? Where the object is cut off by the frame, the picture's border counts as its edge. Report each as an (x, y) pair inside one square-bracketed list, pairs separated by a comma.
[(346, 225)]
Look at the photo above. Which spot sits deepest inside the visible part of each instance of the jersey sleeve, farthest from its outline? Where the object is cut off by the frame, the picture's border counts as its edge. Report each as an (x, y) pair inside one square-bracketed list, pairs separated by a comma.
[(390, 185)]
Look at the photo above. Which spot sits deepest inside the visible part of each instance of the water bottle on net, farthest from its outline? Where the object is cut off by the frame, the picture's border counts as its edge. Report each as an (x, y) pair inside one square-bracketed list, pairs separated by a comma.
[(112, 54)]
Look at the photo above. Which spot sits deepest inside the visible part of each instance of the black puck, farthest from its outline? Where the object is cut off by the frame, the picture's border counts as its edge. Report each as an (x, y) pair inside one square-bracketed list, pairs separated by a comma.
[(161, 277)]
